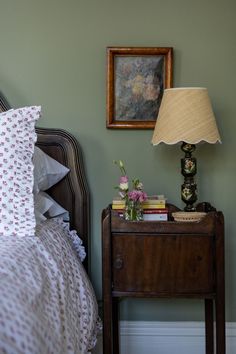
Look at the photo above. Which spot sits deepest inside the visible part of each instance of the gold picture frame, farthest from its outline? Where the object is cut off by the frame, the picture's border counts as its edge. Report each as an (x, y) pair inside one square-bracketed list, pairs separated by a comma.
[(136, 79)]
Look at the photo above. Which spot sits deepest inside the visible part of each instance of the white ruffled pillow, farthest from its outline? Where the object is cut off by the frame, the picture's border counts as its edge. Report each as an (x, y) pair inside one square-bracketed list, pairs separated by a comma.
[(17, 139)]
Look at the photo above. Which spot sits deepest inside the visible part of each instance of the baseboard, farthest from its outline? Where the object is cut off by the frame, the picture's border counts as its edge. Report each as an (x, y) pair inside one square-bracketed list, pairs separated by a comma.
[(167, 338)]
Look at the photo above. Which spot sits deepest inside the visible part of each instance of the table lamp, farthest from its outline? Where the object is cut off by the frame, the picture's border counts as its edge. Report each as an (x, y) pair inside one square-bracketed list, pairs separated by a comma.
[(186, 116)]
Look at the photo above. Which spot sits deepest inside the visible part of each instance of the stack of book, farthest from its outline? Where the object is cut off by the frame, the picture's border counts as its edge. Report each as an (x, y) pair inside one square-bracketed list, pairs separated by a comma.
[(154, 208), (118, 204)]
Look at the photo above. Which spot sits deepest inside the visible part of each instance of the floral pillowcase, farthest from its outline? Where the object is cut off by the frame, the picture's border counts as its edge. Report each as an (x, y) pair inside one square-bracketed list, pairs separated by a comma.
[(17, 139)]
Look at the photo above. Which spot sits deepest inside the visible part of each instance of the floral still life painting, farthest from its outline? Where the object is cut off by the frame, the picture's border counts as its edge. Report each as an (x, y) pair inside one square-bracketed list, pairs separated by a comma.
[(133, 198), (139, 87), (136, 79)]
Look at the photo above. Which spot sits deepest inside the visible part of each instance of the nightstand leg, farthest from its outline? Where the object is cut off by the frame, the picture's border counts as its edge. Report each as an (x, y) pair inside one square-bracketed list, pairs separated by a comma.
[(220, 286), (220, 325), (106, 284), (116, 332), (107, 327), (209, 328)]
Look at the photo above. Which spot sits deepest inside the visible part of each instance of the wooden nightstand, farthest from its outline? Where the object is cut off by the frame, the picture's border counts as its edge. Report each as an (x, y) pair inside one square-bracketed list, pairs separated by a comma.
[(164, 259)]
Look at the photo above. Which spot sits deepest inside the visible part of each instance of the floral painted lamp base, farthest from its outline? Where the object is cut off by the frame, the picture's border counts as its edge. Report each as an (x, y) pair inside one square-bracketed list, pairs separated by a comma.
[(188, 170)]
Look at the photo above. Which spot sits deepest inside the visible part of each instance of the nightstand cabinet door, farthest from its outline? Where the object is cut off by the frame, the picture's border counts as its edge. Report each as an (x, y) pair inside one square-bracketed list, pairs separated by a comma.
[(162, 264)]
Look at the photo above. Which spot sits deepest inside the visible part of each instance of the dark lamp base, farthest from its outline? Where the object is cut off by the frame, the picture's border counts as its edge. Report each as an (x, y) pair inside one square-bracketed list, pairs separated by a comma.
[(189, 208), (188, 170)]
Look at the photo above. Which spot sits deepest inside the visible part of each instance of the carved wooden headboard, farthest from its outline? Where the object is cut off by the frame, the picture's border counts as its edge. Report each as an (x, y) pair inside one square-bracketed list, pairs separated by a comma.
[(72, 192)]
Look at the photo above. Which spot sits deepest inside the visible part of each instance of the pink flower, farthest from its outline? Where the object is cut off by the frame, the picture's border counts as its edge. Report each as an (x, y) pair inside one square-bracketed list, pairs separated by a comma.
[(137, 196), (124, 184), (124, 179), (143, 197), (133, 195)]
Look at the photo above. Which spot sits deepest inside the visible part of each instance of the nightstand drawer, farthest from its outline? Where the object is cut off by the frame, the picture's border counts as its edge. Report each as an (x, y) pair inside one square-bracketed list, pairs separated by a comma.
[(161, 264)]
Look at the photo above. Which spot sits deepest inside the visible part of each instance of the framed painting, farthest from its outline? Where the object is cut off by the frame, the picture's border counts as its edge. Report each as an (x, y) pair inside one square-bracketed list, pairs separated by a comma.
[(136, 79)]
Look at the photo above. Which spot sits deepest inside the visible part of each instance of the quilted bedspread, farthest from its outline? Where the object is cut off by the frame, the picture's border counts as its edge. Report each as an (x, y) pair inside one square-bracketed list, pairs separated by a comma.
[(47, 303)]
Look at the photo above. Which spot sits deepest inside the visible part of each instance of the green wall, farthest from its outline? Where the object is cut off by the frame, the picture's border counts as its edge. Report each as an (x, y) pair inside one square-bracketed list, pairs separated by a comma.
[(53, 54)]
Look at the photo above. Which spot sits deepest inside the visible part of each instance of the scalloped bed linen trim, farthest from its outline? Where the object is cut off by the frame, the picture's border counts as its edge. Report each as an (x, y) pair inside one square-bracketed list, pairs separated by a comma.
[(77, 244), (76, 241)]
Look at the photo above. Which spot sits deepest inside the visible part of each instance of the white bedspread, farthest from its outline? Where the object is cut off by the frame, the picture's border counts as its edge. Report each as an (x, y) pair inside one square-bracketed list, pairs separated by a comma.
[(47, 304)]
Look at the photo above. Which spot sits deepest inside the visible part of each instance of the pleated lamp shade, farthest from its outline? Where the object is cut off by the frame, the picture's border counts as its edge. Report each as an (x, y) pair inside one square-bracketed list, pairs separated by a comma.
[(185, 115)]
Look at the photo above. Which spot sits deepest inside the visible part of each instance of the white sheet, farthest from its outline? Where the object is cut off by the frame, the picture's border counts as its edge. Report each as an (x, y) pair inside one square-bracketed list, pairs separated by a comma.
[(47, 303)]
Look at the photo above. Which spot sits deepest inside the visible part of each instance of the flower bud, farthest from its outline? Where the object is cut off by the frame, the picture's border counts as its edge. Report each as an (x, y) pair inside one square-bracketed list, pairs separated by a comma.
[(124, 186)]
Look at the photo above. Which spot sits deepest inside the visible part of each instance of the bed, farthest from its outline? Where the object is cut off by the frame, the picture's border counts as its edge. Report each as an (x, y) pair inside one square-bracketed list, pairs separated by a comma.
[(47, 302)]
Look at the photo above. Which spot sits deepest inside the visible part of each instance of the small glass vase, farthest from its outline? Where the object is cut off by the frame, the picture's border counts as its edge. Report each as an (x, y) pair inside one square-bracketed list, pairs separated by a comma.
[(133, 211)]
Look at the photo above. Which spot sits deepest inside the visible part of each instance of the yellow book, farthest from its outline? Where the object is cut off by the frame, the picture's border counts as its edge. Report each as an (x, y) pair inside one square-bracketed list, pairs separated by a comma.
[(155, 202), (159, 199), (118, 207), (144, 206), (153, 206)]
